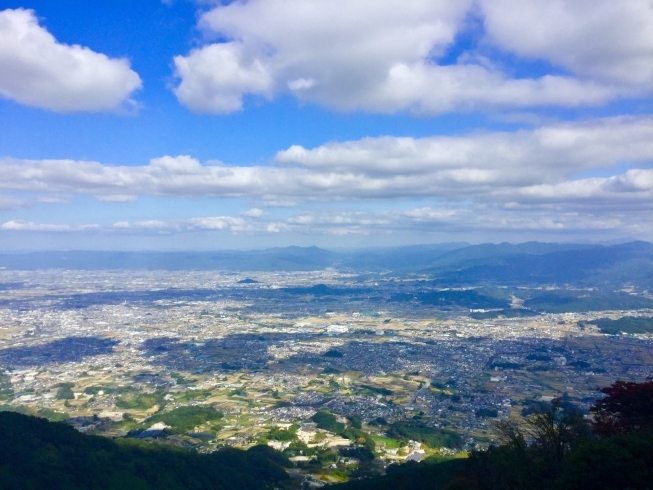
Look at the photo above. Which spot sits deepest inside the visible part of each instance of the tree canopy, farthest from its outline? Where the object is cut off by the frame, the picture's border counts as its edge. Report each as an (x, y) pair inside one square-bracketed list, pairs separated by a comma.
[(36, 454)]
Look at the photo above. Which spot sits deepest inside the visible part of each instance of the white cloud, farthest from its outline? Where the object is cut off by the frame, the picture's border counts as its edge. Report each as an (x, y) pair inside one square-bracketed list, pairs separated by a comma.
[(301, 83), (208, 223), (54, 200), (8, 202), (252, 213), (488, 181), (116, 198), (215, 78), (634, 185), (487, 220), (272, 202), (38, 71), (484, 220), (479, 166), (483, 167), (425, 88), (606, 40), (17, 225), (277, 227), (382, 55), (328, 51), (219, 223), (153, 225)]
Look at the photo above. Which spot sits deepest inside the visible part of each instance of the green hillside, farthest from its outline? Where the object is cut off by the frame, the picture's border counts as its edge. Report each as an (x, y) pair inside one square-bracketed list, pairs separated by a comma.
[(628, 324), (567, 301), (36, 454)]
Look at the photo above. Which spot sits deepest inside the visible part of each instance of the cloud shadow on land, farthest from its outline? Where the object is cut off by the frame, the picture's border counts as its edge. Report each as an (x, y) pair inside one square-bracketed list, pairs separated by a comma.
[(85, 300), (70, 349), (232, 353), (462, 366), (359, 352)]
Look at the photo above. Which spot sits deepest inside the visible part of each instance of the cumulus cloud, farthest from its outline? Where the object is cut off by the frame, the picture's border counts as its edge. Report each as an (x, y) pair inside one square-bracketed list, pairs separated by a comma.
[(563, 178), (215, 78), (486, 166), (633, 186), (600, 39), (386, 56), (38, 71), (502, 167)]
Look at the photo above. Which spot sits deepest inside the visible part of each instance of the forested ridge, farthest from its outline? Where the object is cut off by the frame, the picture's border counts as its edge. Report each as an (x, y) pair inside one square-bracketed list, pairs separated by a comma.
[(36, 454)]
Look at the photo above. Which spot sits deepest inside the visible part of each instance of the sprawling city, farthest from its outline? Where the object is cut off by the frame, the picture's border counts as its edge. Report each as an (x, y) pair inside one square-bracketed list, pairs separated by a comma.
[(313, 364)]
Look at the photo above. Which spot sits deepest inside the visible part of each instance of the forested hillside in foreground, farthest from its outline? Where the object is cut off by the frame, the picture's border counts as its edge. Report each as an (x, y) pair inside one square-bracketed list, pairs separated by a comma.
[(554, 449), (36, 455)]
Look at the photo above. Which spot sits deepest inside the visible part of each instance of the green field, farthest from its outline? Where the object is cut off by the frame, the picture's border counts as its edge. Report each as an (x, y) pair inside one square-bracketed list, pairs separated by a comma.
[(389, 443)]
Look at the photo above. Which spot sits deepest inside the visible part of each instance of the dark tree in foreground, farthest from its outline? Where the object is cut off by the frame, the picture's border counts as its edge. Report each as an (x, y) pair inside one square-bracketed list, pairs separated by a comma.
[(558, 449), (36, 454), (555, 448), (555, 432), (530, 452), (627, 407)]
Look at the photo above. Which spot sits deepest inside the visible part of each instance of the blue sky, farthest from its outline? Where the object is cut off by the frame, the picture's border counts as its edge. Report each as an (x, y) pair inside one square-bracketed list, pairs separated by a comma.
[(205, 125)]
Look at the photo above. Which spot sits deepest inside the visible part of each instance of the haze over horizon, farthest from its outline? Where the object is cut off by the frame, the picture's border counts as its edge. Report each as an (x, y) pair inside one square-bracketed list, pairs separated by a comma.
[(201, 125)]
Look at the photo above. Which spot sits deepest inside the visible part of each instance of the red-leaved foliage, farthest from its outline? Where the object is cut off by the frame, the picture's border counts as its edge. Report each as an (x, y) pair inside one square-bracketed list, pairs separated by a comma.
[(627, 407)]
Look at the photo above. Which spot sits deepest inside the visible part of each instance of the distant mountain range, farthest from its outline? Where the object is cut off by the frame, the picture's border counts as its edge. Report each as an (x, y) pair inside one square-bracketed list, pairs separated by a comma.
[(272, 259), (538, 263), (448, 264)]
